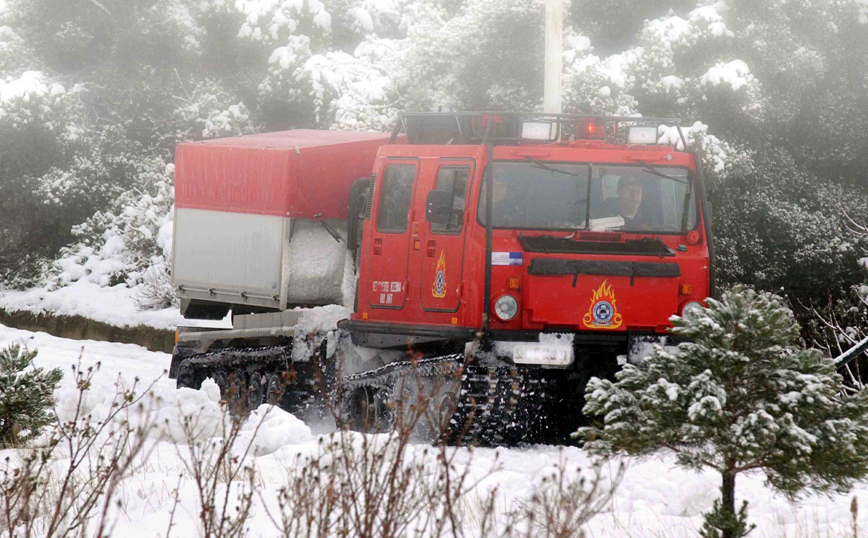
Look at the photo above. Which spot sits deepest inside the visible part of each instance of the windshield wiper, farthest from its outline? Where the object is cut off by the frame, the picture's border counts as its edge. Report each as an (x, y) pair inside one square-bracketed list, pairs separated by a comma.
[(651, 170), (540, 164)]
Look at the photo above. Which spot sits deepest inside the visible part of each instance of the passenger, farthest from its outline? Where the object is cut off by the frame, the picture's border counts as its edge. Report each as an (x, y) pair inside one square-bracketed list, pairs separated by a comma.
[(628, 202)]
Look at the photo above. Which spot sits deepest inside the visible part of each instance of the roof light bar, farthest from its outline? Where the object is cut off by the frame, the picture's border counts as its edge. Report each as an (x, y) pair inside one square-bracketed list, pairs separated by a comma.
[(539, 130), (642, 134), (590, 129)]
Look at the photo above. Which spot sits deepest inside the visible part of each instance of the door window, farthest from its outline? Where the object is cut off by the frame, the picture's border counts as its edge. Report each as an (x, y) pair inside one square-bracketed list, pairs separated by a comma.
[(395, 198), (454, 180)]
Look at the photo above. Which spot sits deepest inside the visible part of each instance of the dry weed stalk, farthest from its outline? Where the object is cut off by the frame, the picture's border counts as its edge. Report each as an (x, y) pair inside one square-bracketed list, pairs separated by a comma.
[(362, 485), (68, 486), (221, 473)]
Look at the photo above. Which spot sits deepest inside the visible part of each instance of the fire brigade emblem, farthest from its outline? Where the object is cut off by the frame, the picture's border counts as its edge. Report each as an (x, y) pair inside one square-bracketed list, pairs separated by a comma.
[(603, 313), (439, 288)]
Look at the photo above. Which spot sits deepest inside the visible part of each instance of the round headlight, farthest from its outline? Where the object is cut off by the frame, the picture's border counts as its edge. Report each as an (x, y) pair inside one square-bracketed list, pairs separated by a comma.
[(506, 307), (691, 308)]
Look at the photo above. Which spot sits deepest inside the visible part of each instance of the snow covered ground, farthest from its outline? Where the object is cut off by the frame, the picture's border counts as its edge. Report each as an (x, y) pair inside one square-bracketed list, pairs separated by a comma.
[(112, 305), (655, 498)]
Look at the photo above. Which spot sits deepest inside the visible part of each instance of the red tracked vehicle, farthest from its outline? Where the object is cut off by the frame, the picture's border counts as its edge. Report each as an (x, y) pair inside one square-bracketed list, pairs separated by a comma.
[(597, 235)]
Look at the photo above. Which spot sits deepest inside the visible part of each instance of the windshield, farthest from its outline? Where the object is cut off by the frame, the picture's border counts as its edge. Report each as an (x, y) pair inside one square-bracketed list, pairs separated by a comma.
[(552, 196)]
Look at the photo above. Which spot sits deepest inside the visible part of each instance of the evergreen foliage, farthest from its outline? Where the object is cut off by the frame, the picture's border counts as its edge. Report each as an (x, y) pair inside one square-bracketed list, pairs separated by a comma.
[(719, 520), (26, 395), (741, 396)]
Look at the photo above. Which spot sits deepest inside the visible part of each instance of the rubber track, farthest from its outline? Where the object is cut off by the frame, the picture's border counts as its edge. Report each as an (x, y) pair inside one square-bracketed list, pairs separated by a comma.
[(301, 391), (497, 405)]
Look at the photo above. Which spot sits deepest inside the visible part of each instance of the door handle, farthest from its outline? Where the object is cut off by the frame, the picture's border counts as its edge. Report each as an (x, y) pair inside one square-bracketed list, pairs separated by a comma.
[(378, 246), (430, 248)]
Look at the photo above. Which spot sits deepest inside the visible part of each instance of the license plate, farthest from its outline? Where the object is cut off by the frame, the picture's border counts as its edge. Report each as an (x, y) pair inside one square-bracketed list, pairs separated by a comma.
[(543, 354)]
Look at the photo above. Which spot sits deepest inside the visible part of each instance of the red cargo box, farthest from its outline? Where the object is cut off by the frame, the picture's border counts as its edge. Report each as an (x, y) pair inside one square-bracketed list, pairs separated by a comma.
[(302, 173)]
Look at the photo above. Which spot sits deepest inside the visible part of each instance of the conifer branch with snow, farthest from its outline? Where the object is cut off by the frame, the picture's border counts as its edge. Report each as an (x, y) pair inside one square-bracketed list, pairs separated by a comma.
[(740, 396)]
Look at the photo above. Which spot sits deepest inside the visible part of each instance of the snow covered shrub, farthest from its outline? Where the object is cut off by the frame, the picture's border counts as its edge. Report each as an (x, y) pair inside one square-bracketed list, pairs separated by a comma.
[(156, 291), (69, 485), (740, 397), (36, 114), (120, 246), (209, 112), (779, 227), (839, 323), (485, 57), (26, 395)]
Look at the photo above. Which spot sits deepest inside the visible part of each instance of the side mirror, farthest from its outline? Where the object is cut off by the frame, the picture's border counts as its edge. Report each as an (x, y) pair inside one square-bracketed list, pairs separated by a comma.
[(438, 207)]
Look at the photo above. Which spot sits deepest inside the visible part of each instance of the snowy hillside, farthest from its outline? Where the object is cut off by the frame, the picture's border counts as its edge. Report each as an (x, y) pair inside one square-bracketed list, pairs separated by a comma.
[(655, 498)]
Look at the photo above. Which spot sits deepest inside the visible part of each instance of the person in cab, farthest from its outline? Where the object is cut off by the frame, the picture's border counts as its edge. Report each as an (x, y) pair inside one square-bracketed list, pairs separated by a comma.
[(627, 204)]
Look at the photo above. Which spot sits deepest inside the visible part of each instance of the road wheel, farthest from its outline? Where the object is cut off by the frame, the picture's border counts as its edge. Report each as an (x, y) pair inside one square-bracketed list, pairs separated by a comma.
[(238, 392), (221, 378), (256, 391), (363, 411)]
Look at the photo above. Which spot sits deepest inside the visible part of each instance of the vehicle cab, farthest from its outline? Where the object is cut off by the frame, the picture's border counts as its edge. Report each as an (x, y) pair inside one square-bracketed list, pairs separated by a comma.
[(504, 227)]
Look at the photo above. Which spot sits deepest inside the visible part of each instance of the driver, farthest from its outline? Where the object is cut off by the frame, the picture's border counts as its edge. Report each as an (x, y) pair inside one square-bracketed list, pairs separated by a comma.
[(628, 202)]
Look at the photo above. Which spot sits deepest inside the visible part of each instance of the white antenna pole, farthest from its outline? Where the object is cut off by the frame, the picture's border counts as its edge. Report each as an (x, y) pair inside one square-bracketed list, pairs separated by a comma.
[(553, 56)]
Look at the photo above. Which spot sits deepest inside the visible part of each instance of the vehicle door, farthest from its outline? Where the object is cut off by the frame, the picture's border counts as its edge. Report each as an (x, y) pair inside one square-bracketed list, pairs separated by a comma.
[(391, 237), (443, 244)]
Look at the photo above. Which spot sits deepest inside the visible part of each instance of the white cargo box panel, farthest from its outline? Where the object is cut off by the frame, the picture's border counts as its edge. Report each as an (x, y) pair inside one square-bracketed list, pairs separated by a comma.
[(229, 252)]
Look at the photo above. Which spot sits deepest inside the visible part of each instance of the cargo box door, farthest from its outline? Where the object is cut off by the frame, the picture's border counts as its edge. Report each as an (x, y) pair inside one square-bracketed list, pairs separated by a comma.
[(391, 235)]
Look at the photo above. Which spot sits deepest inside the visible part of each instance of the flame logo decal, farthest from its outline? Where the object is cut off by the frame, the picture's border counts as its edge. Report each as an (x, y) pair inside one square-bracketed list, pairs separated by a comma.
[(438, 290), (603, 313)]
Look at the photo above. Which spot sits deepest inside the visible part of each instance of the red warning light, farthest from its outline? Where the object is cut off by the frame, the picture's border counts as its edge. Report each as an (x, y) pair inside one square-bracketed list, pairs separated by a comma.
[(590, 129), (480, 123)]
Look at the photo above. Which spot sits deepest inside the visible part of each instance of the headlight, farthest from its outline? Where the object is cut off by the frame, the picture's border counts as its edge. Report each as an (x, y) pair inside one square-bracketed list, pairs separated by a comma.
[(691, 308), (506, 307)]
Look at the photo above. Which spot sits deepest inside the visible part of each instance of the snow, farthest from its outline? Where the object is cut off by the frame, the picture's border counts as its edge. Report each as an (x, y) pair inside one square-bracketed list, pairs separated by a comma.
[(266, 20), (656, 498), (112, 305), (321, 318), (736, 74), (672, 82), (863, 11), (313, 264), (30, 87)]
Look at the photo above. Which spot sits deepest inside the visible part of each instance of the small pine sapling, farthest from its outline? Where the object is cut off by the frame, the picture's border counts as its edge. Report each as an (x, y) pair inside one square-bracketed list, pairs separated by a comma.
[(26, 395), (740, 396)]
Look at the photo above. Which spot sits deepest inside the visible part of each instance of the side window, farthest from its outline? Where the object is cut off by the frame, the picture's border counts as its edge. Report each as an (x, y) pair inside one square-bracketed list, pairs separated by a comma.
[(395, 198), (454, 180)]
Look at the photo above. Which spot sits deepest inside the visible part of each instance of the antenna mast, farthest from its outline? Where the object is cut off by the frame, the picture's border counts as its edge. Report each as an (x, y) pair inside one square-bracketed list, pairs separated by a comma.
[(553, 56)]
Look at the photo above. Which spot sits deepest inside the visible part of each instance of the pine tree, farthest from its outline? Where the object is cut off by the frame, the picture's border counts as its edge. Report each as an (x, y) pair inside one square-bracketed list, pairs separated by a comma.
[(740, 397), (26, 395)]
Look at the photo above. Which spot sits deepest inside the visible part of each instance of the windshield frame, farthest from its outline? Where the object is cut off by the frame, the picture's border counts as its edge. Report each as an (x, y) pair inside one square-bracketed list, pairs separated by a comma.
[(691, 183)]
